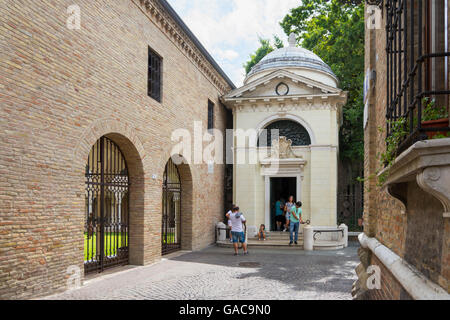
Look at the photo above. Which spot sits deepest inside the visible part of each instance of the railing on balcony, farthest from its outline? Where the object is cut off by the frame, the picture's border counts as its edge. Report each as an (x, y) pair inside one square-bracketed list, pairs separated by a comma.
[(417, 68)]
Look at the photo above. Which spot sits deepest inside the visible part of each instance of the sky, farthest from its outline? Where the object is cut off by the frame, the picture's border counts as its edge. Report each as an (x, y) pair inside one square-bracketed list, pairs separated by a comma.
[(229, 29)]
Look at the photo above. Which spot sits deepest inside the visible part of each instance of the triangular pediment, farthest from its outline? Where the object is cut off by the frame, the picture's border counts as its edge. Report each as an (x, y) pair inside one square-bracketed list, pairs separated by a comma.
[(284, 84)]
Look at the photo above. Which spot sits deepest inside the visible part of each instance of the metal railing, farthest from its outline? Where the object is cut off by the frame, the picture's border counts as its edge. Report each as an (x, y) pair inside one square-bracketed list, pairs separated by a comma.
[(417, 67)]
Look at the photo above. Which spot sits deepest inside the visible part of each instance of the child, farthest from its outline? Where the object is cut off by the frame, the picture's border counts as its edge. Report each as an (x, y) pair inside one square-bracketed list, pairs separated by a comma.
[(229, 227), (262, 232)]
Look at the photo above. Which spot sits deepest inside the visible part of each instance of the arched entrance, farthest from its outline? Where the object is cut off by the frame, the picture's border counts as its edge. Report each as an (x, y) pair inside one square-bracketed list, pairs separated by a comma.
[(106, 234), (171, 209), (290, 129)]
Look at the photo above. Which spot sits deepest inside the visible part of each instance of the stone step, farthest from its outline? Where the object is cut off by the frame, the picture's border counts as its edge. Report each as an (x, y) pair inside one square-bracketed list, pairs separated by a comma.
[(272, 243), (275, 239), (277, 236), (262, 243), (318, 245)]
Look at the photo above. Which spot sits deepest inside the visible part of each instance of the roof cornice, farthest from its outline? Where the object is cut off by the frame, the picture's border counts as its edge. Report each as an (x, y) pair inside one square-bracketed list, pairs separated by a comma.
[(170, 23), (236, 94)]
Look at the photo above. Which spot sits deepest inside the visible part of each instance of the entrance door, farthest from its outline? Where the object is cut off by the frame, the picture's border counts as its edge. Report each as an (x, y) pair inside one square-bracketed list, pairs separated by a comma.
[(280, 189), (106, 211), (171, 206)]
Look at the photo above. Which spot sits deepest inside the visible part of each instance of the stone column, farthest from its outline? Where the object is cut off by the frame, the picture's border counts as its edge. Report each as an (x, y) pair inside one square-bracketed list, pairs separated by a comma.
[(345, 236), (308, 238), (268, 221)]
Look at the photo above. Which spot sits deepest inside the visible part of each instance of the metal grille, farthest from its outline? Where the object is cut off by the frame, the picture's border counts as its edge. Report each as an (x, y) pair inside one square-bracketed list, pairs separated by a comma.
[(107, 208), (417, 66), (154, 75), (171, 215), (210, 115), (351, 207), (286, 128)]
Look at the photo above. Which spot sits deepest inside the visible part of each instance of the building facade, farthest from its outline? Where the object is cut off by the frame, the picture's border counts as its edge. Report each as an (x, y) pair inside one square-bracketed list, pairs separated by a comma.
[(405, 245), (86, 121), (291, 92)]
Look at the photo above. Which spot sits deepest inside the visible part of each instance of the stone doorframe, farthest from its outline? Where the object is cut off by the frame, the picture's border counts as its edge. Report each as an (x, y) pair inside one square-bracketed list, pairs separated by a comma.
[(280, 168)]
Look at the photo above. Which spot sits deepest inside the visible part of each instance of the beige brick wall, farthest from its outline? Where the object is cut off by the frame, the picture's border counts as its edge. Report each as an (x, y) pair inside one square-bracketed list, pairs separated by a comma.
[(60, 91)]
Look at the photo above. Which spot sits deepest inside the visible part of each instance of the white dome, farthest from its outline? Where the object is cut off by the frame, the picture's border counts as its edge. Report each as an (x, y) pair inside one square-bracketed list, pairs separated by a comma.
[(290, 57)]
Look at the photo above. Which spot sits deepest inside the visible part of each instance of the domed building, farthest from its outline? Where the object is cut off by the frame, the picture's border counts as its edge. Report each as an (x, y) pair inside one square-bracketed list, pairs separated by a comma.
[(295, 96)]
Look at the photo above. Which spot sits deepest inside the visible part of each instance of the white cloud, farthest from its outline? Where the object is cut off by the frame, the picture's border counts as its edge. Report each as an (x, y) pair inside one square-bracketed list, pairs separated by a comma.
[(226, 54), (229, 29)]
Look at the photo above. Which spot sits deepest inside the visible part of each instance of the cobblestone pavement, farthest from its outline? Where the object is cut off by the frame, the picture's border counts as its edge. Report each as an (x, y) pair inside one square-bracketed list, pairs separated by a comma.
[(215, 274)]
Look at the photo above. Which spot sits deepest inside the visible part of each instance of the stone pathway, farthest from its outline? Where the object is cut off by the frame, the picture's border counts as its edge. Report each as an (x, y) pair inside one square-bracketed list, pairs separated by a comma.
[(215, 274)]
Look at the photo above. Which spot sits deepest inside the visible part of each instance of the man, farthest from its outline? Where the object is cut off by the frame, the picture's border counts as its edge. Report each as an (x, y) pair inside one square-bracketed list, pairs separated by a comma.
[(279, 218), (295, 219), (229, 221), (237, 230)]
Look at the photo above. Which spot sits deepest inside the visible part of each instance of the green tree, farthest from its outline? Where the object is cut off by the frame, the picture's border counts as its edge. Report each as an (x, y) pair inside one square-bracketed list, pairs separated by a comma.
[(265, 48), (334, 30)]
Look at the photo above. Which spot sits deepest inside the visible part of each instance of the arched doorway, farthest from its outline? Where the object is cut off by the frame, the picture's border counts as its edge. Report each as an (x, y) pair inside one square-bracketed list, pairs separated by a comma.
[(286, 179), (106, 234), (171, 209)]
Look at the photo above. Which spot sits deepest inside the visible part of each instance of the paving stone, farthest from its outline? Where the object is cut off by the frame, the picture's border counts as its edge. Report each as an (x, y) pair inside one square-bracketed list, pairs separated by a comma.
[(215, 274)]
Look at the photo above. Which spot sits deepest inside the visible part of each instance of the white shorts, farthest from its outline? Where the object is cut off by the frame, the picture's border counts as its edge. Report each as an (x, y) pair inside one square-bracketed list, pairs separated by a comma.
[(288, 215)]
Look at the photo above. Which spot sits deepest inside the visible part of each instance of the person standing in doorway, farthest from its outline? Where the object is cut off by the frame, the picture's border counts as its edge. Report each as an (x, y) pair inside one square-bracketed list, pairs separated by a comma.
[(279, 218), (295, 219), (237, 230), (287, 209)]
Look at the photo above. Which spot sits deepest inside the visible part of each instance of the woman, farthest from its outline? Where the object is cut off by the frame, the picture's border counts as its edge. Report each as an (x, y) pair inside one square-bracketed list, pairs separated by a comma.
[(287, 209)]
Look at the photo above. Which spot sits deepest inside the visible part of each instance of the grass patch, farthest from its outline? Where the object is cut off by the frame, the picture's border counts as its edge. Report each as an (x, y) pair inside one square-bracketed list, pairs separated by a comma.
[(118, 240)]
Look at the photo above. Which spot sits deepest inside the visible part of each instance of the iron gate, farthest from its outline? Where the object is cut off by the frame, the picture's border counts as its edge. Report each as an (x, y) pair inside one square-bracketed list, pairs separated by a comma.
[(107, 208), (351, 207), (171, 206)]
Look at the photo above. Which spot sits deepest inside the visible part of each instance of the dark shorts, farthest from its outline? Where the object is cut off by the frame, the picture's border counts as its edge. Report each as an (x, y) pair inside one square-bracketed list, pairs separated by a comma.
[(280, 218), (238, 237)]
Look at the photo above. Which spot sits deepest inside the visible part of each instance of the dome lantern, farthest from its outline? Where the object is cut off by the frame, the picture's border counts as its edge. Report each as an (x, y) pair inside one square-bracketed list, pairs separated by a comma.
[(292, 40)]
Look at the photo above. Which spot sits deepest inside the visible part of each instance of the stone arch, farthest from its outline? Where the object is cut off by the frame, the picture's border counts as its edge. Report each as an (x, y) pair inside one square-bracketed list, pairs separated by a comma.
[(186, 181), (102, 127), (126, 139), (274, 118)]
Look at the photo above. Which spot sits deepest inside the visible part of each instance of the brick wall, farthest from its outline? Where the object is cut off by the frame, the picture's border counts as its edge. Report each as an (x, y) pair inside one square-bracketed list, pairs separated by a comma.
[(60, 91), (414, 231), (385, 217)]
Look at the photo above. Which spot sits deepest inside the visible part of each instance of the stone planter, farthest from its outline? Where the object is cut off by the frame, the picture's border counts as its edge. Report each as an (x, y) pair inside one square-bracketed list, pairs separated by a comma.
[(439, 123)]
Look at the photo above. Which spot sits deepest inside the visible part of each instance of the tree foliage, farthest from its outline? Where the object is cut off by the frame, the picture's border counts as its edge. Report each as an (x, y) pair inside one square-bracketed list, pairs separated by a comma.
[(265, 48), (334, 30)]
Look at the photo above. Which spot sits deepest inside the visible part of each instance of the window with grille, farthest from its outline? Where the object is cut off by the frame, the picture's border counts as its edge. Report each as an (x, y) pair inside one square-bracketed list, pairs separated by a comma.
[(417, 66), (210, 115), (154, 75)]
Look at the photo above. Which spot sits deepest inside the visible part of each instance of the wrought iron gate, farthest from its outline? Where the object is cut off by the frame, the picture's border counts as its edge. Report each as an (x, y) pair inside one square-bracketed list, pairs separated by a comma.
[(171, 206), (107, 208), (351, 207)]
